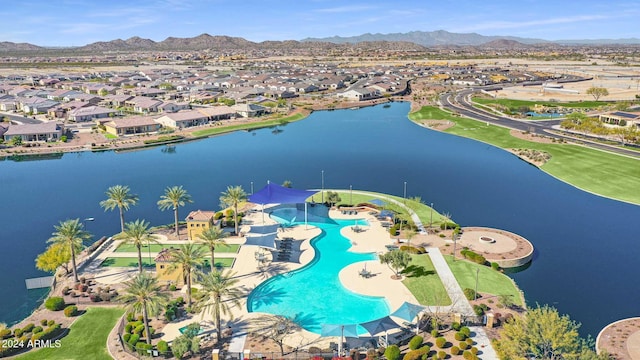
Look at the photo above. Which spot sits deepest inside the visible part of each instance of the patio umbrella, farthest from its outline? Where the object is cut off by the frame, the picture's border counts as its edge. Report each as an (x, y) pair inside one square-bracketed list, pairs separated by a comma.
[(408, 311), (380, 325), (341, 330)]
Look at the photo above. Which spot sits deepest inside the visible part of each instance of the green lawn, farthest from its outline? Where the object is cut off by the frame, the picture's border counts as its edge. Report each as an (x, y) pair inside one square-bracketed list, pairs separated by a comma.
[(230, 248), (423, 211), (78, 345), (518, 103), (250, 126), (133, 262), (424, 283), (603, 173), (489, 281)]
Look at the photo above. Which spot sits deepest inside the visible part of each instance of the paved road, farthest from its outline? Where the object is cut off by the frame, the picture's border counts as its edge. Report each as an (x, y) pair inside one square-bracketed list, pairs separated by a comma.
[(461, 104), (20, 119)]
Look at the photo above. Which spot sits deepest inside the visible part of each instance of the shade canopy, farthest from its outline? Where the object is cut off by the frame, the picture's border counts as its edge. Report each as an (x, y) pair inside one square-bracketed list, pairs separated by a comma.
[(348, 330), (267, 241), (379, 325), (408, 311), (264, 229), (276, 194)]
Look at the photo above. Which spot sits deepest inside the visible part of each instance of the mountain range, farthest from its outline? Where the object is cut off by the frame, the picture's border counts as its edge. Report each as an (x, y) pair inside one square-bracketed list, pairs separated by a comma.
[(414, 40), (443, 38)]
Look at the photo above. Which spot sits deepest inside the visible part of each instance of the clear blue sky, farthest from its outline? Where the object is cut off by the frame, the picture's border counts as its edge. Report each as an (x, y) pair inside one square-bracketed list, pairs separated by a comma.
[(79, 22)]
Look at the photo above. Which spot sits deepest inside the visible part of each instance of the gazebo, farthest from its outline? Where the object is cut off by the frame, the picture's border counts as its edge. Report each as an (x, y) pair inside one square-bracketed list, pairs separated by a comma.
[(276, 194)]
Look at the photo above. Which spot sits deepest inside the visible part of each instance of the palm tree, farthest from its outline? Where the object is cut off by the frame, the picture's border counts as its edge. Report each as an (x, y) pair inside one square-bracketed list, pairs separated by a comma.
[(232, 197), (138, 234), (188, 257), (219, 293), (174, 197), (119, 196), (446, 218), (70, 233), (142, 294), (212, 237)]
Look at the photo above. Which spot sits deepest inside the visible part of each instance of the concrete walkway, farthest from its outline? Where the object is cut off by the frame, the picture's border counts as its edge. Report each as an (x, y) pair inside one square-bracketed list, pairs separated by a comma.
[(483, 343), (459, 302)]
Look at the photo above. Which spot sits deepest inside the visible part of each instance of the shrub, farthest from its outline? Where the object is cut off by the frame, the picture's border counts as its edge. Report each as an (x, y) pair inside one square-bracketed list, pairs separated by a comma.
[(162, 346), (435, 333), (478, 310), (469, 341), (417, 354), (139, 329), (474, 350), (152, 330), (136, 323), (51, 322), (415, 342), (470, 294), (495, 266), (455, 350), (126, 337), (441, 342), (442, 354), (37, 329), (28, 328), (54, 303), (105, 296), (460, 336), (464, 345), (455, 326), (465, 330), (70, 311), (127, 328), (172, 287), (5, 333), (94, 298), (392, 352), (43, 322), (130, 316), (170, 315), (467, 355), (134, 339)]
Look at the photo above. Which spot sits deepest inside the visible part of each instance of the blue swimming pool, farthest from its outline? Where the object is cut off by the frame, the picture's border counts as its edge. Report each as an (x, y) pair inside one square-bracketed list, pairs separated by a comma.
[(313, 295)]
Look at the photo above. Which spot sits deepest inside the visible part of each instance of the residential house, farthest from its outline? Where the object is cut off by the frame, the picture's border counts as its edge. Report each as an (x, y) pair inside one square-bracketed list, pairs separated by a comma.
[(198, 222), (116, 100), (48, 131), (173, 106), (36, 105), (215, 113), (142, 104), (183, 119), (249, 110), (132, 125), (90, 113), (360, 94)]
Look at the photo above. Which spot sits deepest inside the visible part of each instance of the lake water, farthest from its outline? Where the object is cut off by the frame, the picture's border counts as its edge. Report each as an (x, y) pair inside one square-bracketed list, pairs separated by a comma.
[(586, 246)]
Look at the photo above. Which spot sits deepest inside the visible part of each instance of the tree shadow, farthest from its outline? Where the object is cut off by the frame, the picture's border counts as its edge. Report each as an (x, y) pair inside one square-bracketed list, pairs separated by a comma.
[(417, 271)]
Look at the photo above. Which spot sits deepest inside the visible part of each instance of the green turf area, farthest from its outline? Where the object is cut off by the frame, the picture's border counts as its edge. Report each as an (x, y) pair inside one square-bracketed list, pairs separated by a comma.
[(423, 211), (510, 103), (77, 345), (603, 173), (133, 262), (250, 126), (431, 113), (424, 283), (489, 281), (156, 248)]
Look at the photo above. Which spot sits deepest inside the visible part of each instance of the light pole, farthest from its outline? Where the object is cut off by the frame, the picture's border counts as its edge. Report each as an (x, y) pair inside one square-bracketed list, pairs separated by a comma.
[(431, 218), (351, 195), (475, 296), (252, 188), (405, 193), (322, 192), (87, 220)]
